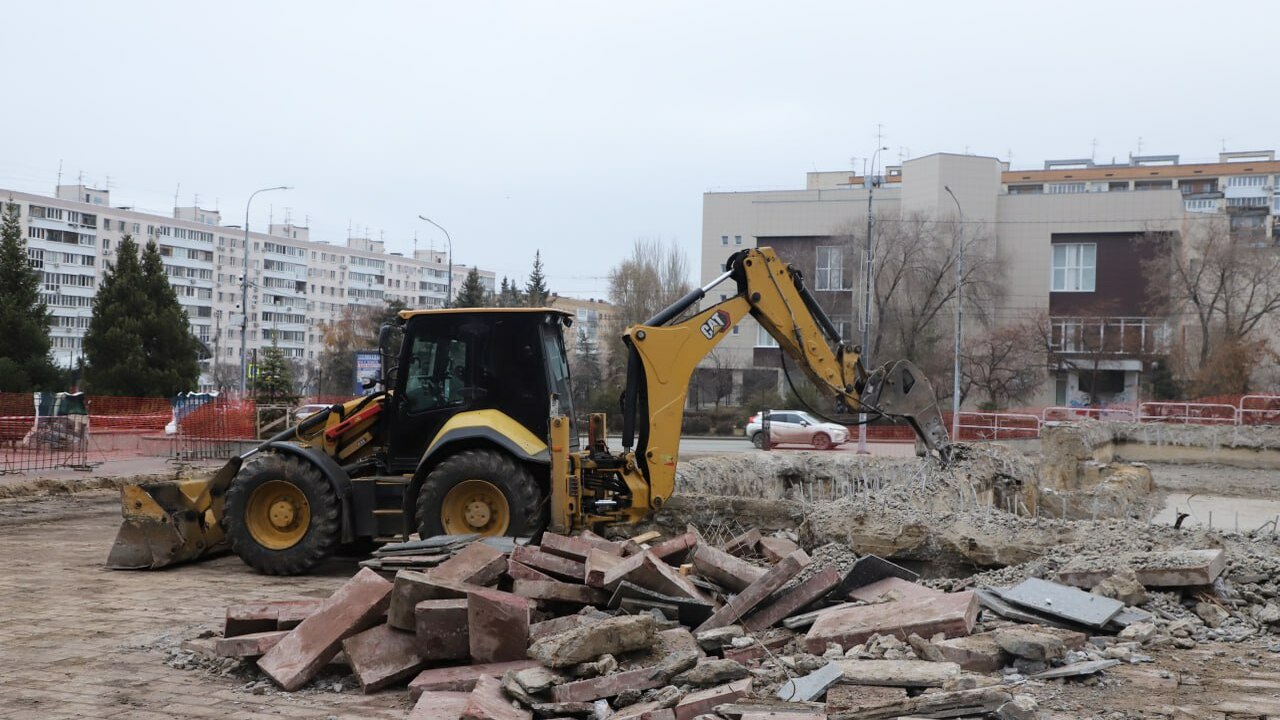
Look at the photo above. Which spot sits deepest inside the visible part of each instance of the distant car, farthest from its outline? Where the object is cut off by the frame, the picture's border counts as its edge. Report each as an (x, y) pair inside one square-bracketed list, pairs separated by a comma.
[(794, 427), (306, 411)]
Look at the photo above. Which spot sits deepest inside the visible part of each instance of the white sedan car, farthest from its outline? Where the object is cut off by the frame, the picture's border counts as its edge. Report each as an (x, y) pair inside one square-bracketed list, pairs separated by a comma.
[(794, 427)]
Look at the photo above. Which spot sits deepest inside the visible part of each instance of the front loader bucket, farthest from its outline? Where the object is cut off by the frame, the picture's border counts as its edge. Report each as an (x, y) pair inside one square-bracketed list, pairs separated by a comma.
[(170, 521)]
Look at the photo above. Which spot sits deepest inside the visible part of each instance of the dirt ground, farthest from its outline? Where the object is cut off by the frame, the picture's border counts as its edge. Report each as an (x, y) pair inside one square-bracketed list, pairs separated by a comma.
[(78, 640)]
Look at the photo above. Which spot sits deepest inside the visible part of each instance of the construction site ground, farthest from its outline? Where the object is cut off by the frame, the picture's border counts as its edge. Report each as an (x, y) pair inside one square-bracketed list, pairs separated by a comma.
[(78, 640)]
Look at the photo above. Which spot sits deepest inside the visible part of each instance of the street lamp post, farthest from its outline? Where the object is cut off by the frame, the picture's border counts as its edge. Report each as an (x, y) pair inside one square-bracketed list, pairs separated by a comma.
[(955, 372), (244, 292), (864, 356), (449, 299)]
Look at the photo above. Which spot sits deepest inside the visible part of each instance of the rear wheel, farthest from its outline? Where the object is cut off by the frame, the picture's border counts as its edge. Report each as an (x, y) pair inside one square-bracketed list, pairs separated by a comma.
[(281, 515), (481, 491), (821, 441), (758, 440)]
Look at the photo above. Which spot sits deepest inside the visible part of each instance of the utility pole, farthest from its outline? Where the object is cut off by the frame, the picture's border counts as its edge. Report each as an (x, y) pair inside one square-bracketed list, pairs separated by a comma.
[(868, 280), (244, 293), (448, 301), (955, 374)]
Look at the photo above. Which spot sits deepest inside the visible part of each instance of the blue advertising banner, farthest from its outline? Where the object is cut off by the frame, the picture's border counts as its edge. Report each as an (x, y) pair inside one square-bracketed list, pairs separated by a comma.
[(368, 365)]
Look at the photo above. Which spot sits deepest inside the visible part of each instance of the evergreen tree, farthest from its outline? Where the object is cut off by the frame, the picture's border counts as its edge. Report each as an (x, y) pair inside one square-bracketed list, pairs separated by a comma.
[(536, 291), (138, 342), (472, 294), (509, 294), (586, 371), (24, 319), (273, 381)]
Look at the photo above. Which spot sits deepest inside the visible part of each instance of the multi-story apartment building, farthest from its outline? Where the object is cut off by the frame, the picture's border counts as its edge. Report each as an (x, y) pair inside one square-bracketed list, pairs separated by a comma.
[(1069, 237), (296, 284), (594, 320)]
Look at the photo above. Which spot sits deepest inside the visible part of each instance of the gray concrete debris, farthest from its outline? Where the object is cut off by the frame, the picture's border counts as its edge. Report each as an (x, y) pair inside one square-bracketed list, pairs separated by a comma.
[(716, 639), (1122, 585), (1212, 615), (675, 663), (1021, 707), (603, 665), (712, 672), (1081, 668), (1030, 644), (1064, 602), (583, 643)]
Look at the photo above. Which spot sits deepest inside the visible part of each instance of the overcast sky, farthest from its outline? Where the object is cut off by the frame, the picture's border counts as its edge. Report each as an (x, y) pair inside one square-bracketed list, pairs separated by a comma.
[(576, 127)]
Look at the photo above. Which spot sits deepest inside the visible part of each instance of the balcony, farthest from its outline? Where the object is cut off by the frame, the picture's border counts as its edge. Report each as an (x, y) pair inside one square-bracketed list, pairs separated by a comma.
[(1111, 336)]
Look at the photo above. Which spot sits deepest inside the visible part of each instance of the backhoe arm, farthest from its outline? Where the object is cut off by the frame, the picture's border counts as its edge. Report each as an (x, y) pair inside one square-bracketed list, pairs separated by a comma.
[(664, 354)]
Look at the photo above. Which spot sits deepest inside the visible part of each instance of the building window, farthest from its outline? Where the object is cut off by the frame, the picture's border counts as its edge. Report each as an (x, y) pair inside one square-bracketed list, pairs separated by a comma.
[(737, 239), (764, 339), (829, 269), (1074, 267), (1247, 181), (1060, 188), (724, 239)]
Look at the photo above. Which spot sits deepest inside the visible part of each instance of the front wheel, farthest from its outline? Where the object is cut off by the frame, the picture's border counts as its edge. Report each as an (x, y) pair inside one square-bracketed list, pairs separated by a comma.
[(481, 491), (281, 515), (758, 440), (821, 441)]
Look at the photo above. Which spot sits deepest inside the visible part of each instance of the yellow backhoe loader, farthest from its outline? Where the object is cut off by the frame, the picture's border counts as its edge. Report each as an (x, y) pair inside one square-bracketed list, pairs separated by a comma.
[(475, 433)]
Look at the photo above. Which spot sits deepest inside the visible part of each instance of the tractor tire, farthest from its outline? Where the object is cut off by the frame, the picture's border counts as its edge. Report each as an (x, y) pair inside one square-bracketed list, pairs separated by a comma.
[(481, 491), (821, 441), (282, 516)]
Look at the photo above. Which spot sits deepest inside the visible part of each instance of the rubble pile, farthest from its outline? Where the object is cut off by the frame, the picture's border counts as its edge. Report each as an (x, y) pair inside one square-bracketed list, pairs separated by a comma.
[(750, 628)]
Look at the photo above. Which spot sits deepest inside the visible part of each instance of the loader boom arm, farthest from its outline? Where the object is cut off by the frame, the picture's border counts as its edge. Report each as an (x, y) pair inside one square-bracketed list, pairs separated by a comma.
[(663, 356)]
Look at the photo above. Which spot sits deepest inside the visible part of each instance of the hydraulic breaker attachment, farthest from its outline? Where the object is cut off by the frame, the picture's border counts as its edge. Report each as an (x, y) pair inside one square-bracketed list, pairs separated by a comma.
[(902, 393)]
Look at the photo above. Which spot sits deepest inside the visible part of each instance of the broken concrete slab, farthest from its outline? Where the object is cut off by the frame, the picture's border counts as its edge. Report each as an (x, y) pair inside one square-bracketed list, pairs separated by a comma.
[(990, 599), (251, 645), (561, 568), (775, 708), (891, 589), (647, 571), (246, 618), (382, 656), (756, 593), (475, 564), (555, 591), (498, 625), (868, 569), (606, 686), (812, 686), (412, 587), (1064, 602), (711, 671), (792, 601), (845, 697), (1030, 643), (463, 678), (599, 563), (488, 702), (697, 703), (360, 603), (952, 614), (587, 642), (440, 706), (804, 620), (441, 629), (586, 616), (724, 569), (776, 548), (974, 653), (1171, 568), (976, 702), (1081, 668), (897, 673), (715, 639), (757, 650), (560, 710)]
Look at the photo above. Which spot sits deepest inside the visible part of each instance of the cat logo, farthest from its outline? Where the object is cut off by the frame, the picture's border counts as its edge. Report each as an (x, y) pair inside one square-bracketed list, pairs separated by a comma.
[(714, 324)]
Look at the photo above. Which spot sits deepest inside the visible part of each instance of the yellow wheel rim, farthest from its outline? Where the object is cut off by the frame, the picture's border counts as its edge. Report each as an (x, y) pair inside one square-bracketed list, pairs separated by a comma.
[(277, 515), (475, 506)]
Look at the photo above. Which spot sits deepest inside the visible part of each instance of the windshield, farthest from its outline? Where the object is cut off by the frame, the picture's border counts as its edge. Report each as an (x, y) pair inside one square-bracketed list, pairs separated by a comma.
[(808, 418)]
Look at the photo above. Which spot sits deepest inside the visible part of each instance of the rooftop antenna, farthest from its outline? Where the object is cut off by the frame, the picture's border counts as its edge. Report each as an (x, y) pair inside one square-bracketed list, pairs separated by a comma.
[(1009, 154), (271, 214), (1093, 149), (348, 228), (195, 200), (80, 178), (59, 176), (288, 215), (306, 221), (1224, 144), (176, 190), (108, 187)]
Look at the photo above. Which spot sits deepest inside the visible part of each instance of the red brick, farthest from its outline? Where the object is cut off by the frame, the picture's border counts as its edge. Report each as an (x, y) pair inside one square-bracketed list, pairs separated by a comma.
[(248, 618), (489, 701), (498, 625), (663, 714), (636, 711), (754, 651), (757, 592), (248, 646), (359, 604), (292, 614), (796, 599), (382, 656), (675, 550), (600, 543), (554, 565), (606, 686), (552, 591), (440, 706), (950, 613), (697, 703), (441, 629), (520, 571), (462, 678), (724, 569), (411, 588), (566, 547), (775, 548), (475, 564), (649, 572), (599, 563), (892, 588), (743, 544)]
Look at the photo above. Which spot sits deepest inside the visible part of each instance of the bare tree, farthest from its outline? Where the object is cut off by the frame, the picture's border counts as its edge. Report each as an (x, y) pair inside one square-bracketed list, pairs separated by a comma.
[(1227, 285), (654, 276), (1004, 364)]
